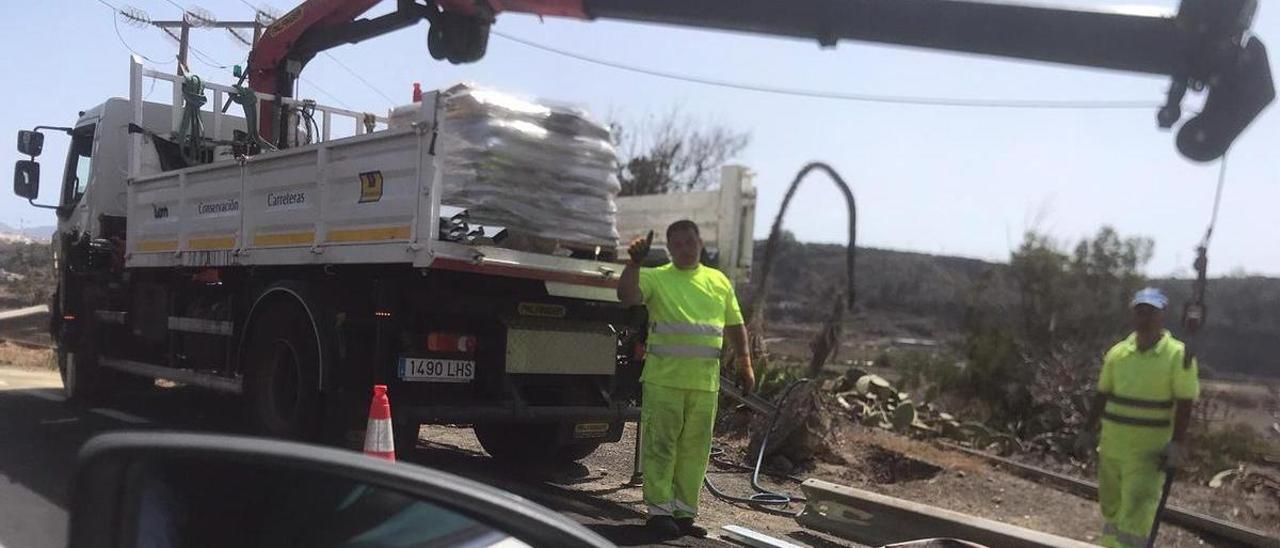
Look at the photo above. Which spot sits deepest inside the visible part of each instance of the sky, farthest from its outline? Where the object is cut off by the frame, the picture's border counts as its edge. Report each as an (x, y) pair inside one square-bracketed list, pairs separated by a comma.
[(960, 181)]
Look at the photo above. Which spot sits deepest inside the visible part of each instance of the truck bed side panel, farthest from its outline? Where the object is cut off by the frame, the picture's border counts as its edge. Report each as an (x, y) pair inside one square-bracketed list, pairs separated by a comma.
[(352, 200)]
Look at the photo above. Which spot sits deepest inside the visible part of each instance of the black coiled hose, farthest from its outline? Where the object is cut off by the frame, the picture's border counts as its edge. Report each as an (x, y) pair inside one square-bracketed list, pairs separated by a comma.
[(762, 496)]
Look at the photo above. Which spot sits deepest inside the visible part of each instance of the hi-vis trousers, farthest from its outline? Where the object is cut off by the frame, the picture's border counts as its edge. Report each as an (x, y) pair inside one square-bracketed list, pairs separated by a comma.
[(675, 444)]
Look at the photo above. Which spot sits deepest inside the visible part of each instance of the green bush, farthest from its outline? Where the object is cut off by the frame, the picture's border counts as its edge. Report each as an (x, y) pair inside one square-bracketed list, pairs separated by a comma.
[(774, 380)]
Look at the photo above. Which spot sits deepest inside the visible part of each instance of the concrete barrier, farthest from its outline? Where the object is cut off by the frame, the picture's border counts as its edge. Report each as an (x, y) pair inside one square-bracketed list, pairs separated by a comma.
[(875, 519)]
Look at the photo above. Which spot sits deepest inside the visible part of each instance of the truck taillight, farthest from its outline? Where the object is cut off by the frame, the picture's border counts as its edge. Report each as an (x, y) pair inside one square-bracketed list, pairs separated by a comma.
[(450, 342)]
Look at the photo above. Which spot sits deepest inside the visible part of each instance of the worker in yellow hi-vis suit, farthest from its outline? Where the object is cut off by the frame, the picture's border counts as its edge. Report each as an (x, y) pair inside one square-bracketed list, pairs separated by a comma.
[(1145, 394), (692, 309)]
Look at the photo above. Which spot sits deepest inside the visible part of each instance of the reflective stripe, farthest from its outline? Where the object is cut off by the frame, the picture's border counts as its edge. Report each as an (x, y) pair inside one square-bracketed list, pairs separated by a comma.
[(1132, 540), (667, 328), (1137, 402), (684, 509), (683, 351), (1131, 421), (661, 509)]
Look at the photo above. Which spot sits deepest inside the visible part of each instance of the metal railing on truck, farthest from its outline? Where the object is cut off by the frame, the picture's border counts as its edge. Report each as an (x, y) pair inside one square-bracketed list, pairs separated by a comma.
[(139, 74)]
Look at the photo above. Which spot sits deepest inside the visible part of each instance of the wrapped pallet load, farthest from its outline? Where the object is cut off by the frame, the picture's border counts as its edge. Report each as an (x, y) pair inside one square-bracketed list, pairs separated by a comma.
[(546, 173)]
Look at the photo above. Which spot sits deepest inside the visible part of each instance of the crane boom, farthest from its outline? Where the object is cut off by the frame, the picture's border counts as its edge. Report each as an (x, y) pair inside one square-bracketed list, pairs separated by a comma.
[(1206, 44)]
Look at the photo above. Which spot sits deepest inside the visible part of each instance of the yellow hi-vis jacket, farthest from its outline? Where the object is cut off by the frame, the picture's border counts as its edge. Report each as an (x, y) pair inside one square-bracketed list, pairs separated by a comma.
[(688, 311), (1141, 389)]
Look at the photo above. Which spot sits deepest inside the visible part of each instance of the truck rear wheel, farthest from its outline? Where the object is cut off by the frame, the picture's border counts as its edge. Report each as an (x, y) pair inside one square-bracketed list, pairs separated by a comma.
[(406, 436), (530, 443), (282, 377)]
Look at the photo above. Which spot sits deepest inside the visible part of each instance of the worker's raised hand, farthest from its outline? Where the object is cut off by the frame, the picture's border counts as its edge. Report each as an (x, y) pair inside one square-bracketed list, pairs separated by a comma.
[(640, 248)]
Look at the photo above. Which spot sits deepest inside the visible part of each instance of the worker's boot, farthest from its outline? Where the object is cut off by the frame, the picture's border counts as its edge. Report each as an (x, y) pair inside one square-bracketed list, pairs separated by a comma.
[(663, 527), (688, 529)]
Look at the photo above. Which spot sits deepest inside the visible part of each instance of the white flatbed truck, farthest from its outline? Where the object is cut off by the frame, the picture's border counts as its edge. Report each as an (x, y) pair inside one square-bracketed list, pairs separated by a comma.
[(298, 278)]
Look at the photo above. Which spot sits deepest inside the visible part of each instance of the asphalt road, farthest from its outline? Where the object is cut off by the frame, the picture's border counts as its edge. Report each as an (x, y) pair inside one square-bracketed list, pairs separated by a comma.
[(40, 436)]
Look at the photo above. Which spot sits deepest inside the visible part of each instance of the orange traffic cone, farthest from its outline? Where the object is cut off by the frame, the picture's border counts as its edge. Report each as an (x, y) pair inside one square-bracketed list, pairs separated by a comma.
[(378, 440)]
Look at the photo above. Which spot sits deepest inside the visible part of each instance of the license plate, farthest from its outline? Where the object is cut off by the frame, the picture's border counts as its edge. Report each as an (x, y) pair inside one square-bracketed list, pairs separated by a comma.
[(436, 370), (586, 430)]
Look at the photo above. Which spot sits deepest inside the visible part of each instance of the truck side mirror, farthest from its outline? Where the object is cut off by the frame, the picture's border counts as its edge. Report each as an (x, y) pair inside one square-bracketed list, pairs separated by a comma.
[(26, 179), (30, 143)]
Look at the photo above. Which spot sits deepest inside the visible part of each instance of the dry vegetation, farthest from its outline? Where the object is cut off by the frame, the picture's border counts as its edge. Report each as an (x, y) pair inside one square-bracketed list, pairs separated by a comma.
[(23, 357)]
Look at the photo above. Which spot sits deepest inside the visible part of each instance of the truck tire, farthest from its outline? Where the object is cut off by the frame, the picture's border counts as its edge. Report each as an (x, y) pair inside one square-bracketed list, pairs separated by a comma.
[(530, 444), (574, 452), (81, 378), (282, 361), (406, 436)]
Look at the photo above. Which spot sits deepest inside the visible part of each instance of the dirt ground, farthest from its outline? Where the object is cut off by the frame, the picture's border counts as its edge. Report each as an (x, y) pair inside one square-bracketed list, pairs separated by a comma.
[(1255, 403), (598, 493), (884, 463), (12, 355), (601, 487)]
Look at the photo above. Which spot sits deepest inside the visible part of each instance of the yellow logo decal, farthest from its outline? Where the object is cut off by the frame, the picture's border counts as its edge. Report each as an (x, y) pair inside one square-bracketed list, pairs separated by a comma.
[(542, 310), (284, 22), (370, 186)]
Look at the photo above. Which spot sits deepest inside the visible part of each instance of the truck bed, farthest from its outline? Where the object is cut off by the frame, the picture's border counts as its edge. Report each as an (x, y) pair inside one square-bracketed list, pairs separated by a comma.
[(365, 199)]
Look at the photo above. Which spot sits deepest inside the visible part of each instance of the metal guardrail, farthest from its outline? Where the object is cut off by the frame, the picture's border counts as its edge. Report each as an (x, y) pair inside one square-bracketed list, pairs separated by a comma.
[(8, 318), (875, 519)]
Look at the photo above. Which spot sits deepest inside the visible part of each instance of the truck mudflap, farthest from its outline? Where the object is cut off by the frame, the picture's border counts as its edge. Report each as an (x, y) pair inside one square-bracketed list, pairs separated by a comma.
[(619, 412)]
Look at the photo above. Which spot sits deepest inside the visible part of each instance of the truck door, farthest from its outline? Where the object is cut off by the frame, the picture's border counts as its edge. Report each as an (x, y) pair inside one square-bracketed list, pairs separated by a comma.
[(75, 180)]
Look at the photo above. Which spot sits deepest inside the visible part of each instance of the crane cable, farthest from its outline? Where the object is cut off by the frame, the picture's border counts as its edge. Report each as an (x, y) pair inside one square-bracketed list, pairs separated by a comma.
[(1194, 313)]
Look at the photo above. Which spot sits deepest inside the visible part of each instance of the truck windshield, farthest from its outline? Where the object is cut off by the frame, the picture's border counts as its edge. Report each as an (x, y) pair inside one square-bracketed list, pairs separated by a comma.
[(79, 164)]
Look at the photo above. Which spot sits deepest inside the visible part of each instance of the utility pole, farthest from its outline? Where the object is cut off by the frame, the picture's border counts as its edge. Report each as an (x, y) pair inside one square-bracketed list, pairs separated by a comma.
[(184, 35)]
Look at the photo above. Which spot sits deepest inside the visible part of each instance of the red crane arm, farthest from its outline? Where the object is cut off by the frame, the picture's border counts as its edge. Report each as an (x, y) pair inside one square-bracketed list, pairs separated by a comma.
[(1206, 45)]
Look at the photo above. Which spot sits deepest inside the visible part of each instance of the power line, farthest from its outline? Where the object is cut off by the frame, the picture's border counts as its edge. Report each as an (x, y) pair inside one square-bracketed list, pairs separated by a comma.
[(115, 24), (330, 56), (858, 97), (360, 78), (325, 93), (208, 60), (251, 5)]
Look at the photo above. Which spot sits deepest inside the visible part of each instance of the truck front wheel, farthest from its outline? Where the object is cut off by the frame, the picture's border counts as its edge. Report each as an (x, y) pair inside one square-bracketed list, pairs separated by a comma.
[(282, 376), (80, 377)]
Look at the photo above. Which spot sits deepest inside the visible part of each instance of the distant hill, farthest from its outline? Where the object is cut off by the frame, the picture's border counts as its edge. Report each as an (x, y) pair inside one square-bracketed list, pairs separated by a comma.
[(25, 235), (927, 295)]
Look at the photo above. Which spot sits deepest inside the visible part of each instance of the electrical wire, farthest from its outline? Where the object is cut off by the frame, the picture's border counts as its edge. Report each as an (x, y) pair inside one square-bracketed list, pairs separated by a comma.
[(857, 97), (115, 24), (340, 102), (360, 78), (209, 61), (339, 62)]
